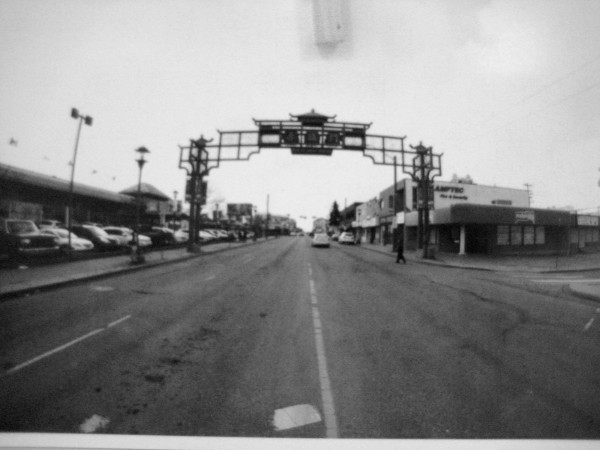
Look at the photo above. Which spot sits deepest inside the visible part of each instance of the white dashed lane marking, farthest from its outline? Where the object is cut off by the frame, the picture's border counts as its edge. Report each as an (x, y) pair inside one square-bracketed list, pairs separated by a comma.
[(325, 383), (67, 345)]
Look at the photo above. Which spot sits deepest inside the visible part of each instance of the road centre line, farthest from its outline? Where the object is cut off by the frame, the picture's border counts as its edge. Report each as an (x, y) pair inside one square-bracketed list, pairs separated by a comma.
[(67, 345), (324, 381)]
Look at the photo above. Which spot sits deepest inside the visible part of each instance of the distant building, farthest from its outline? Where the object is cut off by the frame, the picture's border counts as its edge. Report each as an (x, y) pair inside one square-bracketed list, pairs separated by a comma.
[(25, 194), (154, 204)]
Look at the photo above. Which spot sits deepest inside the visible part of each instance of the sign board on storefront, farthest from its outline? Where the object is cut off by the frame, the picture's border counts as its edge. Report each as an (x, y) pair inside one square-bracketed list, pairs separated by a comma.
[(587, 221), (527, 217)]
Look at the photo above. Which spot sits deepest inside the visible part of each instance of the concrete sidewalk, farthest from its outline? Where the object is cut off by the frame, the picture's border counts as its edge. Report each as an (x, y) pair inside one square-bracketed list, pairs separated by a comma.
[(582, 262), (25, 279)]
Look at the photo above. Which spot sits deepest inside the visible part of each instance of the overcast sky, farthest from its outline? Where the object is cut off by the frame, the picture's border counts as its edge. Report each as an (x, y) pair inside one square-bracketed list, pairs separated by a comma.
[(508, 91)]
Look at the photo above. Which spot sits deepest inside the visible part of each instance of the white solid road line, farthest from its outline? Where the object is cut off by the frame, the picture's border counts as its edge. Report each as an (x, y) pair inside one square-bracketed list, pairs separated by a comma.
[(56, 350), (326, 394), (67, 345), (118, 321)]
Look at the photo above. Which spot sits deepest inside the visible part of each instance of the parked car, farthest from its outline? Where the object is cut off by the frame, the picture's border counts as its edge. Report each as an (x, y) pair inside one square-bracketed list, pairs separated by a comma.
[(158, 235), (19, 238), (320, 240), (346, 238), (335, 236), (126, 236), (62, 236), (205, 236), (181, 236), (100, 238), (214, 233), (50, 224)]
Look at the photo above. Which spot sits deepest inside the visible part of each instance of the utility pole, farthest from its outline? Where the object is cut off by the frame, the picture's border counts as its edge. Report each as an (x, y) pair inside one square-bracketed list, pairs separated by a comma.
[(267, 219), (529, 192)]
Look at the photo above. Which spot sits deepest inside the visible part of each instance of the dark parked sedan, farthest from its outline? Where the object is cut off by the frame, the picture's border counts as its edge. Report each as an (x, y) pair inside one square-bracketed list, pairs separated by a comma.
[(159, 235)]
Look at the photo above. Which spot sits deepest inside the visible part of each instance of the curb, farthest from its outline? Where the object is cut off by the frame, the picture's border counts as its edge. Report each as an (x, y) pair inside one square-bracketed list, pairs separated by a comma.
[(582, 295)]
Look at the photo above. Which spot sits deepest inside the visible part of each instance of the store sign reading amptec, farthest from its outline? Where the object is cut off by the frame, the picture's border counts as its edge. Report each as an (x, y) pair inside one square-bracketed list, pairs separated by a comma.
[(451, 192)]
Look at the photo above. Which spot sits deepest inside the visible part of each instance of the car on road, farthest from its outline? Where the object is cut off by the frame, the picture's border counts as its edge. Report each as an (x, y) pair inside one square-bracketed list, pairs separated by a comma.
[(320, 240), (20, 238), (100, 238), (77, 243), (346, 238)]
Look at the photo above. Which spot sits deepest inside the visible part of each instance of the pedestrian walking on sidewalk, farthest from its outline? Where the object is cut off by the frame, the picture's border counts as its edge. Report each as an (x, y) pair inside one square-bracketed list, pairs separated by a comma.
[(400, 250)]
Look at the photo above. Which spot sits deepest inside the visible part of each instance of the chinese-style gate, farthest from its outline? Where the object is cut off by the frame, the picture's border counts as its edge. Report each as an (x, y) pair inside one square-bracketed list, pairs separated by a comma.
[(309, 134)]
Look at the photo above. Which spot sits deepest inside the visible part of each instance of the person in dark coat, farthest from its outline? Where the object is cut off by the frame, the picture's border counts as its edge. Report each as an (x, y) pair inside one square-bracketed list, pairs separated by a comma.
[(400, 249)]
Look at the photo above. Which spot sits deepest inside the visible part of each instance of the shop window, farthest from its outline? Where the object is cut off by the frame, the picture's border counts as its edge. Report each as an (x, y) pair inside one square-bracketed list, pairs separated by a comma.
[(414, 198), (503, 234), (574, 236), (516, 235), (528, 235), (595, 235), (400, 200), (433, 236), (540, 235)]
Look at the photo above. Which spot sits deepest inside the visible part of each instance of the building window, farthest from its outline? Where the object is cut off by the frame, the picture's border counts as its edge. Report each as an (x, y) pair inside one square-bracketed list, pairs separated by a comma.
[(503, 235), (520, 235), (391, 202), (433, 236), (540, 235), (516, 235), (414, 198), (528, 235), (400, 200)]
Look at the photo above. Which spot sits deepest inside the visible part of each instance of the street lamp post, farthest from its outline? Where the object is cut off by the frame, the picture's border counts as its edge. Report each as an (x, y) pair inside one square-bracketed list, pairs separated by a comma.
[(137, 256), (88, 121), (194, 161)]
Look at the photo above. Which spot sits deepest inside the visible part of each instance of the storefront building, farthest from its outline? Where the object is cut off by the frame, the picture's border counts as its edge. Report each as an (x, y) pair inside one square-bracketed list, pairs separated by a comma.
[(498, 230), (367, 221), (466, 218)]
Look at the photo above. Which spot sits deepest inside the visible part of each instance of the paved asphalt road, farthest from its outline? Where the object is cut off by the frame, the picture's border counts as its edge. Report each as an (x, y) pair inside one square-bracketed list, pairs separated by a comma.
[(353, 344)]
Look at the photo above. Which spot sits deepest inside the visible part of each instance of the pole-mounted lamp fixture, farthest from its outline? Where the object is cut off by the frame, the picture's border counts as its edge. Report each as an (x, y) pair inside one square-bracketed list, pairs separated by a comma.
[(88, 121)]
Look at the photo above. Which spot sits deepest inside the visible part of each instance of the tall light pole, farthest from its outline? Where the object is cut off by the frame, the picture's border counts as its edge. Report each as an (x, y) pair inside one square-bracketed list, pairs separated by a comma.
[(138, 257), (88, 121)]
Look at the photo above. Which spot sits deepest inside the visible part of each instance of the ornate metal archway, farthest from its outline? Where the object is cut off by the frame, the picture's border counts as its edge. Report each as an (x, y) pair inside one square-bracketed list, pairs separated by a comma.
[(308, 134)]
